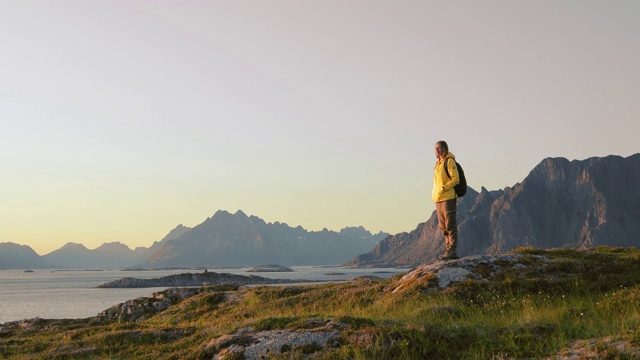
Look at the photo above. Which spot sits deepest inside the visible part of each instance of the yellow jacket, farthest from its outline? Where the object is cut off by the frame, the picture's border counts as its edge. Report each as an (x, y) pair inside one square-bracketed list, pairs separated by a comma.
[(442, 184)]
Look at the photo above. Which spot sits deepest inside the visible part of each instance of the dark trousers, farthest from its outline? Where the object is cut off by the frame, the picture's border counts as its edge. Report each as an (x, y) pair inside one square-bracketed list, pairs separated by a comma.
[(446, 211)]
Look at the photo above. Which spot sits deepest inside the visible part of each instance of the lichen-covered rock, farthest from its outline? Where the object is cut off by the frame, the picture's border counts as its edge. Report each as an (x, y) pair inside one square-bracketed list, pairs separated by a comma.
[(445, 273), (249, 343), (258, 344)]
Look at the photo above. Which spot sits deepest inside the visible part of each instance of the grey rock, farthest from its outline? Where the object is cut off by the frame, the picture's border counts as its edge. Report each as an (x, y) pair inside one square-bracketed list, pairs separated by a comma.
[(258, 344)]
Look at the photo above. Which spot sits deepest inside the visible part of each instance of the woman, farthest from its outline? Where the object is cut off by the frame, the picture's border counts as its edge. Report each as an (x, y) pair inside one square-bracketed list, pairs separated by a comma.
[(444, 196)]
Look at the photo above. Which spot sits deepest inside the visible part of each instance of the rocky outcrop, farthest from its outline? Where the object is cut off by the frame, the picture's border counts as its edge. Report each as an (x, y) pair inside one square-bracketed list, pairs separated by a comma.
[(251, 344), (191, 279), (561, 203), (145, 307)]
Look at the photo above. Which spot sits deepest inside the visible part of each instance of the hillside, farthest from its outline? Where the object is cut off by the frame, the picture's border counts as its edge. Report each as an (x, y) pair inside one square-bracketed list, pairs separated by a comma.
[(561, 203), (531, 303)]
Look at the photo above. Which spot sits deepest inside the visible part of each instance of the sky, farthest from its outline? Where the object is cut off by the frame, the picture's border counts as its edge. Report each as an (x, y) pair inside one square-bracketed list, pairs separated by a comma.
[(121, 119)]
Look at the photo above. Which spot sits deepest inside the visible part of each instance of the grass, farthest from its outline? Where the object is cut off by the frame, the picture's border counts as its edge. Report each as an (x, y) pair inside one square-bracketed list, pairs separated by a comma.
[(532, 311)]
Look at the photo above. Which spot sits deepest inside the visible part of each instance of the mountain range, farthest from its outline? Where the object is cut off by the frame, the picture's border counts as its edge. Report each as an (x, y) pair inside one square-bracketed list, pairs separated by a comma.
[(561, 203), (239, 240), (223, 240), (108, 255)]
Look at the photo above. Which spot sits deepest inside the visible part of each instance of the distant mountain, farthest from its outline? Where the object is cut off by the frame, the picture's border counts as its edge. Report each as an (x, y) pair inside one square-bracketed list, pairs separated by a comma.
[(14, 256), (108, 255), (239, 240), (561, 203), (77, 256)]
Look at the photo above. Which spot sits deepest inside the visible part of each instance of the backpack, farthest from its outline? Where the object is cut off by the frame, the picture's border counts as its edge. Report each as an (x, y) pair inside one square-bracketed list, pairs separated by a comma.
[(461, 188)]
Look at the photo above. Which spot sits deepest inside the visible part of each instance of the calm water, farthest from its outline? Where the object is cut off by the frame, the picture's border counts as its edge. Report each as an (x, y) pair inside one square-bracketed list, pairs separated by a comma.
[(64, 294)]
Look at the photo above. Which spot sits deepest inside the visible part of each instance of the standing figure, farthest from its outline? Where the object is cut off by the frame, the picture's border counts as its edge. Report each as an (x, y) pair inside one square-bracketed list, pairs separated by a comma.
[(444, 196)]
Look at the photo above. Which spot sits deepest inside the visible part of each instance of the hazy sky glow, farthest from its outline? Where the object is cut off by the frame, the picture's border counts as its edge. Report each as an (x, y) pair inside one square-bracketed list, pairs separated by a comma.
[(121, 119)]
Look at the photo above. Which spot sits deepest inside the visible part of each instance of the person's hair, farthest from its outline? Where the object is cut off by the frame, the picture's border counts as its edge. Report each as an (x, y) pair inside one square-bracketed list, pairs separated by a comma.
[(444, 145)]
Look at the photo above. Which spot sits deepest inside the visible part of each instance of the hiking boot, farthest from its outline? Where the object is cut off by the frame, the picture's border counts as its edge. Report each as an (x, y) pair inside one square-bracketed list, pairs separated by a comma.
[(449, 255)]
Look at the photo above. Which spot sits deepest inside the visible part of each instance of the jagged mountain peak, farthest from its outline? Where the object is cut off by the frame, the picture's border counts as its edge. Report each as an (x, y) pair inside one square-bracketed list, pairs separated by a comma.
[(223, 219), (559, 168), (227, 214), (222, 216), (241, 214)]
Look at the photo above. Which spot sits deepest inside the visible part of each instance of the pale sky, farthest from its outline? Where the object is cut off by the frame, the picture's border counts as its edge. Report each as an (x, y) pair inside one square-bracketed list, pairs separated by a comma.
[(121, 119)]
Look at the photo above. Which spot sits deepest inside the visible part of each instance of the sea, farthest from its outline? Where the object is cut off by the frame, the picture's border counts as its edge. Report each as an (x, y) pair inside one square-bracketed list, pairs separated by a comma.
[(73, 294)]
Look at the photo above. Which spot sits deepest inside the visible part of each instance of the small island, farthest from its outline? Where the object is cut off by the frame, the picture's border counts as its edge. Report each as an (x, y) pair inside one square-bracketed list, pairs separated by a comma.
[(201, 279), (270, 268)]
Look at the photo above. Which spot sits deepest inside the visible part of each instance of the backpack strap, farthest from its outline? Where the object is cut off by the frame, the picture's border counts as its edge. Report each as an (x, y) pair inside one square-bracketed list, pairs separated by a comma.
[(446, 171)]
